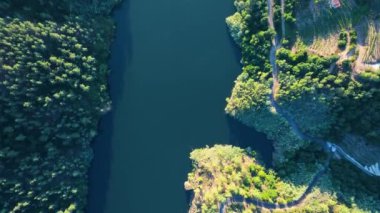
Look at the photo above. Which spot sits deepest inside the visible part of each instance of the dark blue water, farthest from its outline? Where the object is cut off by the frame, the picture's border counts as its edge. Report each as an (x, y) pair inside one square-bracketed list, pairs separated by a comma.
[(173, 64)]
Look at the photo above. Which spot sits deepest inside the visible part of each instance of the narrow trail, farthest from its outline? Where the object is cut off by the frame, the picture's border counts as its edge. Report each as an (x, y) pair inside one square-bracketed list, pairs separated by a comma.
[(282, 18), (296, 129)]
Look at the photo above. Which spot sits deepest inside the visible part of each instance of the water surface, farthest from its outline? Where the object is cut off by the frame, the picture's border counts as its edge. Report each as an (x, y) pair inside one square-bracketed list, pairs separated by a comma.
[(173, 64)]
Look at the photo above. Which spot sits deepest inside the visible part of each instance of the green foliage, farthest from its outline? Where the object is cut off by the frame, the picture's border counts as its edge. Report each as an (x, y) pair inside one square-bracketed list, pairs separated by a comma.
[(249, 104), (53, 90), (357, 190), (249, 28), (353, 36), (342, 41), (58, 10), (303, 90), (370, 76), (328, 104), (250, 97), (248, 94), (249, 19), (43, 71), (237, 27), (290, 9)]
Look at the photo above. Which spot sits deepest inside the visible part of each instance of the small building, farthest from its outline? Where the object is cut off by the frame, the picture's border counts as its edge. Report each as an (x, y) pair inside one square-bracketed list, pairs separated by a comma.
[(335, 3)]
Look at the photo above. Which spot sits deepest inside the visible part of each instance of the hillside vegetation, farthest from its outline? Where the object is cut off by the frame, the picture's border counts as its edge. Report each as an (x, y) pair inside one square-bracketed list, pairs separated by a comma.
[(304, 96), (222, 172), (324, 93)]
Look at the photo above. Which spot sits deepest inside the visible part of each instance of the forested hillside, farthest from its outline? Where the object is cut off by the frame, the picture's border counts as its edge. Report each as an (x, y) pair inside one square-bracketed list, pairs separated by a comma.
[(310, 82), (53, 90), (323, 82)]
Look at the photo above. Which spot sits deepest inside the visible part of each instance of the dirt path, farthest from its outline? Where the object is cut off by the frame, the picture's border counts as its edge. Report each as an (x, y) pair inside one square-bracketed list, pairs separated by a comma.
[(282, 18)]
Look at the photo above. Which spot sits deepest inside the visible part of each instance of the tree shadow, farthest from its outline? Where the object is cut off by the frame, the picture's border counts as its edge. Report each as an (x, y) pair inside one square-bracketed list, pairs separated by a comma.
[(236, 49), (120, 60), (355, 187)]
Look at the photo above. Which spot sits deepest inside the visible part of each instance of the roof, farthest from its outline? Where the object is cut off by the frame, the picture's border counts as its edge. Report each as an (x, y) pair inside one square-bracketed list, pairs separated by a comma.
[(335, 3)]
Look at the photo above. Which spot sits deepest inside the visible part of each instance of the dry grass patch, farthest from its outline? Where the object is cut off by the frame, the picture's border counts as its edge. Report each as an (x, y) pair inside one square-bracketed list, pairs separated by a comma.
[(325, 46), (372, 48), (368, 46)]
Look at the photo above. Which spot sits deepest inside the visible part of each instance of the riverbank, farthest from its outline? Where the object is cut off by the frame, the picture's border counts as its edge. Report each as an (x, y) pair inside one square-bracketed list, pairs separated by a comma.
[(119, 60)]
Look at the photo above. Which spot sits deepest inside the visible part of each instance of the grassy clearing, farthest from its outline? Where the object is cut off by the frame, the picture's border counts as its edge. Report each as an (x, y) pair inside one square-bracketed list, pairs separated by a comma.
[(325, 21)]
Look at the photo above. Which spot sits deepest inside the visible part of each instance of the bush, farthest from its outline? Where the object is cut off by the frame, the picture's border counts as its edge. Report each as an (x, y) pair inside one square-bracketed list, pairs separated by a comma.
[(342, 44)]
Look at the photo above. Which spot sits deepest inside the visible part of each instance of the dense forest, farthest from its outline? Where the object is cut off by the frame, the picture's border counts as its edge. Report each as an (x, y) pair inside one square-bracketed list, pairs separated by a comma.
[(53, 90)]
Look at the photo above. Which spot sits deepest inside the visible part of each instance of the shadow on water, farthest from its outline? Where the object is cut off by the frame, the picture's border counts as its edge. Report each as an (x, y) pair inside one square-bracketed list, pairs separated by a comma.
[(244, 136), (120, 59), (237, 49)]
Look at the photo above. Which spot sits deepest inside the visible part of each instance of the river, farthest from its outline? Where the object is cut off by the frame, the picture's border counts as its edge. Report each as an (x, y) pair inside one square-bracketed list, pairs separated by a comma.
[(172, 66)]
